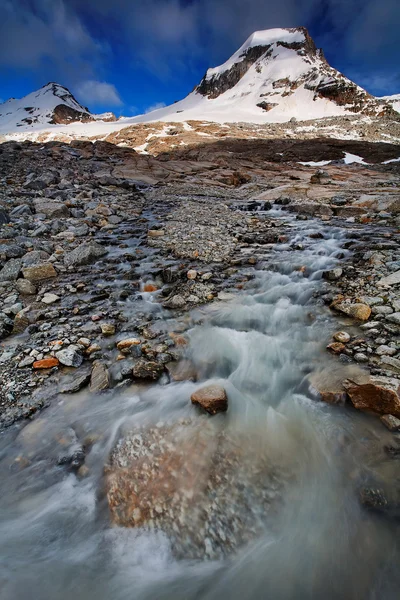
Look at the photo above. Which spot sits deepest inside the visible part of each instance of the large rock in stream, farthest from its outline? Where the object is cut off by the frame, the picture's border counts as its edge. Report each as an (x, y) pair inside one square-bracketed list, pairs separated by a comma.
[(208, 491)]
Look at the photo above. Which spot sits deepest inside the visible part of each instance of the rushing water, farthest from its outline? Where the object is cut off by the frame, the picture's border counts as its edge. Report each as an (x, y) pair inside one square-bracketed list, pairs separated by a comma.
[(55, 538)]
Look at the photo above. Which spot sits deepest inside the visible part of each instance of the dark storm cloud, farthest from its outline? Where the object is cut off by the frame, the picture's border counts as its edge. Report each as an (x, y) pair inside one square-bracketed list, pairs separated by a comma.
[(169, 37)]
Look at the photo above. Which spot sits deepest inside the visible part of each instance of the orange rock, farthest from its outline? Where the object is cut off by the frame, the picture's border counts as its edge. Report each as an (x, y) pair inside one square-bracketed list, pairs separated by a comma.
[(380, 395), (46, 363), (212, 398), (150, 287)]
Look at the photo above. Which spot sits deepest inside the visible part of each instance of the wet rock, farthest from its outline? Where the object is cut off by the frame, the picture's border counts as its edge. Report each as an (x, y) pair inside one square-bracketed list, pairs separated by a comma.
[(125, 345), (11, 270), (211, 398), (357, 310), (191, 482), (72, 386), (147, 369), (379, 394), (84, 254), (191, 274), (384, 350), (39, 272), (391, 422), (99, 377), (333, 274), (70, 357), (341, 336), (107, 329), (373, 498), (392, 363), (46, 363), (336, 347)]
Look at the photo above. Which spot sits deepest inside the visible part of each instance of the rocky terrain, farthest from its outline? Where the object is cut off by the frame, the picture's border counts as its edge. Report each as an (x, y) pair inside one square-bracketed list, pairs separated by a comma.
[(108, 259)]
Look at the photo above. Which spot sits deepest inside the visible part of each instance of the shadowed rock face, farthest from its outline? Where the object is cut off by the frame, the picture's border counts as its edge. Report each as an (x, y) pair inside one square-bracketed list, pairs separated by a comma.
[(64, 114), (219, 84)]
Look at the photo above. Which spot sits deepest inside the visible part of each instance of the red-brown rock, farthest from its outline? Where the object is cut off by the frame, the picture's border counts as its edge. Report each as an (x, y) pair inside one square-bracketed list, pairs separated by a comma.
[(212, 398)]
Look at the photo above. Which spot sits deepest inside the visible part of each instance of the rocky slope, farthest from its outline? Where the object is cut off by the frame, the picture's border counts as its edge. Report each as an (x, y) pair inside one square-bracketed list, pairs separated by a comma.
[(53, 104)]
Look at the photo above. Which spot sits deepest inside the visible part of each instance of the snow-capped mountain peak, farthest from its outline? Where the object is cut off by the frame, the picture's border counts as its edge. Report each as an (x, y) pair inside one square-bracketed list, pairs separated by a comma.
[(52, 104), (275, 76)]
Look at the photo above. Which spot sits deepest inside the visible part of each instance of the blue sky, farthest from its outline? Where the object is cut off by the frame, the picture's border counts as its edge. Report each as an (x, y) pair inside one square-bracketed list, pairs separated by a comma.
[(129, 56)]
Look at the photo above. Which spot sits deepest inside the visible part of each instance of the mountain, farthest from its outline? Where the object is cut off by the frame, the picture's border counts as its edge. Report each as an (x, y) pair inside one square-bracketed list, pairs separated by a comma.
[(276, 75), (53, 104), (393, 100)]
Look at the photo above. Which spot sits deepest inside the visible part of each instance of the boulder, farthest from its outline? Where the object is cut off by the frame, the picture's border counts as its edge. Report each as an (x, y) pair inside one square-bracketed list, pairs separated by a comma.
[(25, 287), (392, 279), (379, 394), (84, 254), (212, 398), (70, 357), (11, 270), (147, 369), (52, 209), (357, 310), (75, 384), (39, 272)]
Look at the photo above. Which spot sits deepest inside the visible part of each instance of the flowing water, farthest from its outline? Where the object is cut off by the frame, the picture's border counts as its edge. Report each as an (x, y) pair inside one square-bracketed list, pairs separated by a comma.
[(56, 541)]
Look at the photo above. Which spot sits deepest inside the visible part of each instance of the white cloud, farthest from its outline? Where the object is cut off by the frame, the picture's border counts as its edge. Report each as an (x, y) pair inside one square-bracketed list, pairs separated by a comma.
[(155, 106), (98, 93)]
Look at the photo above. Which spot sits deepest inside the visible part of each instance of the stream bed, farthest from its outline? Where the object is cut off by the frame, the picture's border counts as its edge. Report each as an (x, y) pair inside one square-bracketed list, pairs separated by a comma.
[(270, 511)]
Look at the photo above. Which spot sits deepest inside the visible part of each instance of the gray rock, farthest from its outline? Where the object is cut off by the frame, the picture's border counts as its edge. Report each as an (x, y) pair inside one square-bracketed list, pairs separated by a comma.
[(34, 257), (384, 350), (11, 270), (19, 211), (70, 386), (70, 357), (394, 318), (4, 216), (391, 422), (84, 254), (333, 274), (52, 210), (11, 251), (25, 287), (100, 377), (6, 326), (390, 279)]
